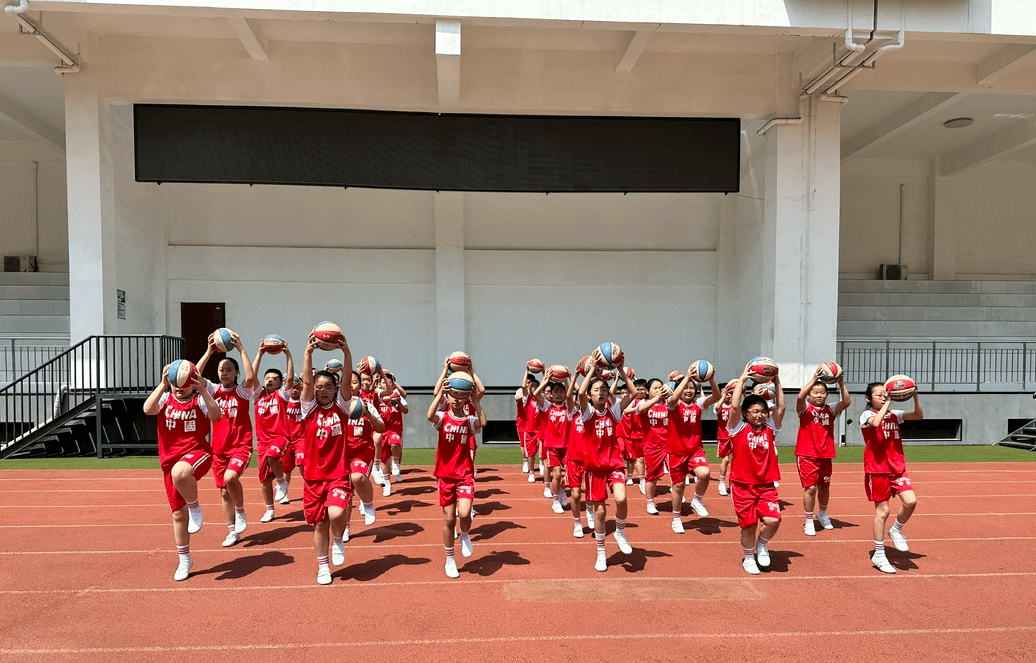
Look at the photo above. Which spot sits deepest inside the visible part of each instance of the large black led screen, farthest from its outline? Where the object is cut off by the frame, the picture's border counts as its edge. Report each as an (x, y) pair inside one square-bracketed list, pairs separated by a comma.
[(429, 151)]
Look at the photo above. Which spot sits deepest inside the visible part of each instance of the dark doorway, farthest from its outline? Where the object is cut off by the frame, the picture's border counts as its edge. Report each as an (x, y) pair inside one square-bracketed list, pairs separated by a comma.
[(197, 321)]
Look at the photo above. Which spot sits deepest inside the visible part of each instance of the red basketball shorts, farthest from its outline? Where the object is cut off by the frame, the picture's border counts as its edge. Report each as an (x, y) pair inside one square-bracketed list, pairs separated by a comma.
[(235, 461), (632, 448), (361, 461), (199, 460), (881, 487), (599, 480), (754, 501), (319, 494), (654, 461), (574, 473), (451, 490), (814, 471), (530, 444), (288, 459), (723, 448), (556, 456), (681, 466)]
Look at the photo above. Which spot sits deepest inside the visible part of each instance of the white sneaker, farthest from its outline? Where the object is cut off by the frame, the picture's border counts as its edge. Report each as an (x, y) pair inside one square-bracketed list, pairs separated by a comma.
[(386, 488), (337, 553), (345, 534), (183, 569), (267, 517), (232, 538), (629, 480), (285, 499), (395, 470), (240, 522), (776, 484), (324, 575), (451, 569), (541, 468), (363, 509), (762, 555), (466, 548), (556, 506), (678, 526), (532, 477), (546, 491), (723, 489), (809, 528), (643, 487), (194, 520), (280, 490), (825, 521), (525, 466), (602, 562), (882, 563), (369, 518), (699, 508), (750, 566), (899, 540), (651, 508), (564, 497), (377, 477), (577, 530), (624, 544), (397, 477), (687, 480), (590, 519)]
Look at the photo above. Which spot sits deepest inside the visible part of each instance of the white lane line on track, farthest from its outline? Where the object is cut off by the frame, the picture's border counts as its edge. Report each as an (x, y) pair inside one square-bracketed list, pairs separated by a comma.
[(484, 518), (497, 581), (387, 547), (452, 642)]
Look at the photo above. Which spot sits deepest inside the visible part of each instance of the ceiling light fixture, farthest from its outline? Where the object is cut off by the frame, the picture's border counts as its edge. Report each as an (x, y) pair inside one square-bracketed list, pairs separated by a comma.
[(958, 123)]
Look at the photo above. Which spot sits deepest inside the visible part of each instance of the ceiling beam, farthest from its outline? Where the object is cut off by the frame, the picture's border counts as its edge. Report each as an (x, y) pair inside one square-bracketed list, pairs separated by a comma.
[(938, 77), (17, 117), (900, 121), (635, 44), (1003, 62), (253, 41), (1017, 136), (447, 61)]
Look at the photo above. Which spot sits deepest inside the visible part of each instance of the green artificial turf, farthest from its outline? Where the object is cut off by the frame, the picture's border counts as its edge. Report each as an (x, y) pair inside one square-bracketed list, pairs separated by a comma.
[(511, 456)]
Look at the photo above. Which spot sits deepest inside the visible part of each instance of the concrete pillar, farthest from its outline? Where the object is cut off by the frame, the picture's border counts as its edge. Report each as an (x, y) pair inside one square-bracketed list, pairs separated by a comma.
[(942, 225), (91, 205), (449, 272), (800, 243)]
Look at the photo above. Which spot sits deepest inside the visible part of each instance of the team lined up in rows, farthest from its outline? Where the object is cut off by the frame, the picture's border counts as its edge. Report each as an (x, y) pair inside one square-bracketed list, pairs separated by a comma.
[(653, 427)]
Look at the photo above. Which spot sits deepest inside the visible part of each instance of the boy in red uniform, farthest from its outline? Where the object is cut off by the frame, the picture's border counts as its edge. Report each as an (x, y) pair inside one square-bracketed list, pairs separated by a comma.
[(603, 462), (554, 415), (722, 411), (184, 421), (885, 469), (392, 410), (325, 474), (272, 435), (657, 427), (527, 434), (231, 435), (575, 470), (815, 447), (455, 468), (686, 455), (753, 470)]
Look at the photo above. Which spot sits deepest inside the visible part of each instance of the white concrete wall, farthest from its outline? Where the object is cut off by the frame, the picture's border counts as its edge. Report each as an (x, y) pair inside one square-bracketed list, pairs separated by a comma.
[(19, 201)]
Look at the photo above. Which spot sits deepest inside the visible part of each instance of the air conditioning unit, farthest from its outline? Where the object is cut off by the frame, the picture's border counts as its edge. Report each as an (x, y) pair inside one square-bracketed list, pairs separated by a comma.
[(892, 272), (20, 264)]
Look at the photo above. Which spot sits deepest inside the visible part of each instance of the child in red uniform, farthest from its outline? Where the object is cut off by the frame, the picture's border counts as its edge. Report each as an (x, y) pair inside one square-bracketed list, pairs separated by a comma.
[(686, 455), (657, 427), (393, 407), (527, 439), (184, 421), (455, 468), (361, 450), (604, 465), (815, 447), (722, 411), (327, 489), (753, 470), (293, 411), (554, 415), (231, 435), (575, 470), (885, 469), (271, 424)]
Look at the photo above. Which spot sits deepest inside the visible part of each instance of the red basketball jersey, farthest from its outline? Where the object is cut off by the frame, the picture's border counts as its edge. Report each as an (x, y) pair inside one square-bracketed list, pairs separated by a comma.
[(657, 425), (754, 456), (182, 427), (391, 415), (555, 426), (359, 432), (293, 410), (271, 417), (816, 432), (323, 439), (521, 411), (602, 450), (722, 414), (576, 436), (686, 437), (883, 446), (234, 429), (453, 452)]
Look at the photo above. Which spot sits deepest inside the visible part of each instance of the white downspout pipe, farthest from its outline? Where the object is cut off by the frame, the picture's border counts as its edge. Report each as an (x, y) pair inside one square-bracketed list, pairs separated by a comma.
[(869, 60), (785, 120), (843, 63), (69, 65)]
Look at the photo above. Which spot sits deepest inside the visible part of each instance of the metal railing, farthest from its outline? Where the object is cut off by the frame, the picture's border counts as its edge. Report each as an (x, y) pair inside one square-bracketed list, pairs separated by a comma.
[(84, 375), (18, 357), (994, 366)]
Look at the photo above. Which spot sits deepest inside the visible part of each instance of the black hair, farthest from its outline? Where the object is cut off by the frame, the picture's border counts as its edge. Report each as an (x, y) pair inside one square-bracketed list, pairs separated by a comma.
[(358, 378), (326, 374), (870, 390), (651, 382), (751, 400), (533, 380), (595, 381), (640, 383), (275, 372), (554, 385)]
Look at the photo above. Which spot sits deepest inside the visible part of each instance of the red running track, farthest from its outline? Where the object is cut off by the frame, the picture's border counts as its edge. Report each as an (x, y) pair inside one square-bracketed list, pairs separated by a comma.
[(87, 557)]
